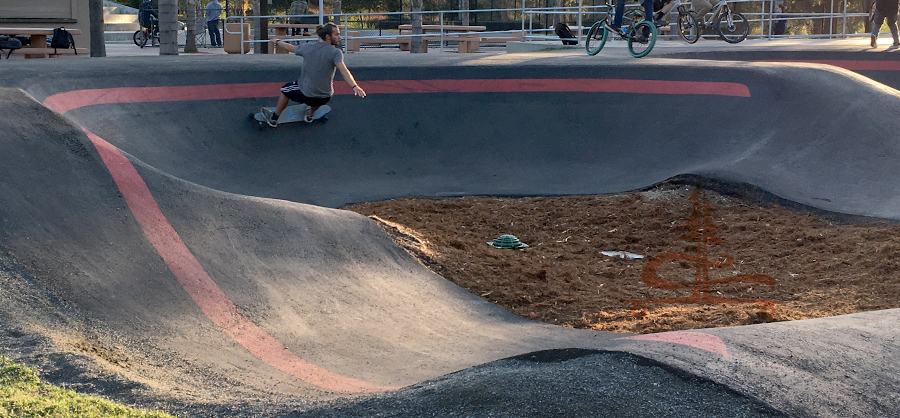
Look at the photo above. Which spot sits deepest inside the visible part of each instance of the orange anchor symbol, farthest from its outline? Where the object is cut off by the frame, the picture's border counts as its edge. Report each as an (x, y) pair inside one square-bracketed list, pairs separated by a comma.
[(703, 232)]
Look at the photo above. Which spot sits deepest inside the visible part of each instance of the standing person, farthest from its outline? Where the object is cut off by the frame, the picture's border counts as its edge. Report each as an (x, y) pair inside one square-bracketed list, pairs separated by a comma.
[(780, 26), (298, 7), (213, 13), (316, 84), (885, 9)]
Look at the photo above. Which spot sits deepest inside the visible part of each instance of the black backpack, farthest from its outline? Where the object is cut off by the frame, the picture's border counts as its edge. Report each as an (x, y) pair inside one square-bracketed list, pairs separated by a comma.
[(562, 30), (62, 39), (9, 43)]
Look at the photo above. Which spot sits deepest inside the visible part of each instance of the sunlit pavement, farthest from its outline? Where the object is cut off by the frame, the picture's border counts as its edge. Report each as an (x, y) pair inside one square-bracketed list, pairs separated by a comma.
[(857, 43)]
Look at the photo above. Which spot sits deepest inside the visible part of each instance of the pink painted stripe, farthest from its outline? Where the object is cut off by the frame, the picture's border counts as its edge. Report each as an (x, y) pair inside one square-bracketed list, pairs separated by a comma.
[(64, 102), (852, 65), (202, 289), (689, 338)]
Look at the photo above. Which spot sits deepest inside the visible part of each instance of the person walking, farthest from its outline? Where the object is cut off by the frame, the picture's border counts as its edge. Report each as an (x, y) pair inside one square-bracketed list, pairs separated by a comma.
[(885, 9), (315, 86), (213, 13)]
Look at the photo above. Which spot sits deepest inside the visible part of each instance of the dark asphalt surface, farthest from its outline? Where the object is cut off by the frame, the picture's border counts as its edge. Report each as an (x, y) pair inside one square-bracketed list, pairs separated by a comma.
[(253, 209)]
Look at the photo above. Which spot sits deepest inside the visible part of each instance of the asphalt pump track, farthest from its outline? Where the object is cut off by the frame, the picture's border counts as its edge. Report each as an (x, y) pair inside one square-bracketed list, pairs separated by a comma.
[(142, 203)]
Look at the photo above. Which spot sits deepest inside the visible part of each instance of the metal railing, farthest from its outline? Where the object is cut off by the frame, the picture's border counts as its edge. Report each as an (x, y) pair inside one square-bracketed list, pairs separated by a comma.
[(761, 22)]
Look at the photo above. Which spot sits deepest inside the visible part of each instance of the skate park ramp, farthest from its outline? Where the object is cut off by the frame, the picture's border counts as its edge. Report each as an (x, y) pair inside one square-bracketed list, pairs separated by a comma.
[(165, 227)]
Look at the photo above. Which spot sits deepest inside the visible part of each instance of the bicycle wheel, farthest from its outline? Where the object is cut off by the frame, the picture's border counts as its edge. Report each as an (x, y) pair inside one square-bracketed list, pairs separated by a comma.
[(733, 27), (638, 44), (596, 38), (688, 27), (139, 38)]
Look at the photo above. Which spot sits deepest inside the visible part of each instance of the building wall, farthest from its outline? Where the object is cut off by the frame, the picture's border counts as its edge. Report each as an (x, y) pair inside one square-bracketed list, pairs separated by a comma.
[(71, 14)]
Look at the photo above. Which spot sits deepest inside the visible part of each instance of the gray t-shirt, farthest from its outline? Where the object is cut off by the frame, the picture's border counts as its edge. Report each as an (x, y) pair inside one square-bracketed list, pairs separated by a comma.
[(319, 61)]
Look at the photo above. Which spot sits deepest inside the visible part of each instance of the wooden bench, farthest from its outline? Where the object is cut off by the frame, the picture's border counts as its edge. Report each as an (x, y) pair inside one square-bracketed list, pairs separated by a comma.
[(281, 29), (354, 44), (30, 52), (37, 47), (501, 39), (465, 42)]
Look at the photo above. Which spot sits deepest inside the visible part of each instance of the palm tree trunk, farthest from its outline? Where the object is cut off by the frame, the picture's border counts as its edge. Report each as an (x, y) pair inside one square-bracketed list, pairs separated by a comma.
[(464, 12), (416, 46), (556, 3), (98, 41), (168, 27), (190, 43)]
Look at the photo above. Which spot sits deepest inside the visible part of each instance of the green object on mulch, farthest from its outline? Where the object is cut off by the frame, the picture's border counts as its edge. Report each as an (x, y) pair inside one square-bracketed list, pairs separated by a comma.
[(507, 241)]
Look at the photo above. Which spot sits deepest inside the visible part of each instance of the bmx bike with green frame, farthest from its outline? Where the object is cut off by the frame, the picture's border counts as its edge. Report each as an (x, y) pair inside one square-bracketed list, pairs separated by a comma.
[(634, 25)]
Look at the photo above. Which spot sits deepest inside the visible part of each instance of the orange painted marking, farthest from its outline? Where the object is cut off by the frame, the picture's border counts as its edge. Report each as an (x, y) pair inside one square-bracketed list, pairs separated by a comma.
[(699, 340), (203, 290)]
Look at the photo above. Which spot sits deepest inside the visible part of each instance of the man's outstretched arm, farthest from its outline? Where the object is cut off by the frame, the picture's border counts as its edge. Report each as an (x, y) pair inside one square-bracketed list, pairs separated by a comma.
[(284, 45), (345, 73)]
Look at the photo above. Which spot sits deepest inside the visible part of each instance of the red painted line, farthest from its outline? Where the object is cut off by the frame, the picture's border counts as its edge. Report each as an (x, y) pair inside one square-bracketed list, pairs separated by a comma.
[(202, 289), (64, 102), (565, 85), (689, 338), (852, 65)]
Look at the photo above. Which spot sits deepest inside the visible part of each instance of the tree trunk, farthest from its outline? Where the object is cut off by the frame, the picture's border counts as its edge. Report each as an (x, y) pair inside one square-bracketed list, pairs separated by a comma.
[(263, 27), (556, 3), (464, 12), (98, 41), (416, 46), (338, 20), (168, 27), (190, 43)]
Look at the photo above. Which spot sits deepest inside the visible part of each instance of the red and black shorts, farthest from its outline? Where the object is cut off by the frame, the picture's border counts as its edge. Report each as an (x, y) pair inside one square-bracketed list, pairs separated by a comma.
[(292, 91)]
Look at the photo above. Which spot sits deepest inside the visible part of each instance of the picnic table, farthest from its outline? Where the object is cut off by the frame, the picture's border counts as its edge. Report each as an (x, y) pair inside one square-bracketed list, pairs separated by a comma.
[(466, 42), (281, 32), (37, 48), (281, 29)]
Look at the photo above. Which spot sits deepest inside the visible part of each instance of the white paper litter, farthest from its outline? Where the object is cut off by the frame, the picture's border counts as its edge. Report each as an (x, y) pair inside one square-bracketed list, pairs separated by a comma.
[(622, 254)]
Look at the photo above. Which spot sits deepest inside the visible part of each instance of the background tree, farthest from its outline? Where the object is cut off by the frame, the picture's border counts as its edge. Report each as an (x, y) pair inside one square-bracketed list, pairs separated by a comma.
[(168, 27), (464, 12), (417, 45), (98, 41), (190, 42)]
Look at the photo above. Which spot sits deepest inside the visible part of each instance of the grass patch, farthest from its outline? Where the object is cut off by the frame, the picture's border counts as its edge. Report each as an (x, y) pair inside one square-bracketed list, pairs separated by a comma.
[(23, 395)]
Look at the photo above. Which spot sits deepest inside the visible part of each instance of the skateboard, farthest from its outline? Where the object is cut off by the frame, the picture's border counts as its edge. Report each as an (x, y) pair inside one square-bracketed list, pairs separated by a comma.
[(293, 113)]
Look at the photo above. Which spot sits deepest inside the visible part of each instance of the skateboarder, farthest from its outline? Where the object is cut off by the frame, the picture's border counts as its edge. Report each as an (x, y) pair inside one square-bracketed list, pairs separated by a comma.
[(315, 86)]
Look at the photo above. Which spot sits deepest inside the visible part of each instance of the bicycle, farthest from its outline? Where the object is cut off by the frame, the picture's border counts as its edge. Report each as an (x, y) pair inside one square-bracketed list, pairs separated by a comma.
[(142, 35), (638, 44), (731, 26)]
